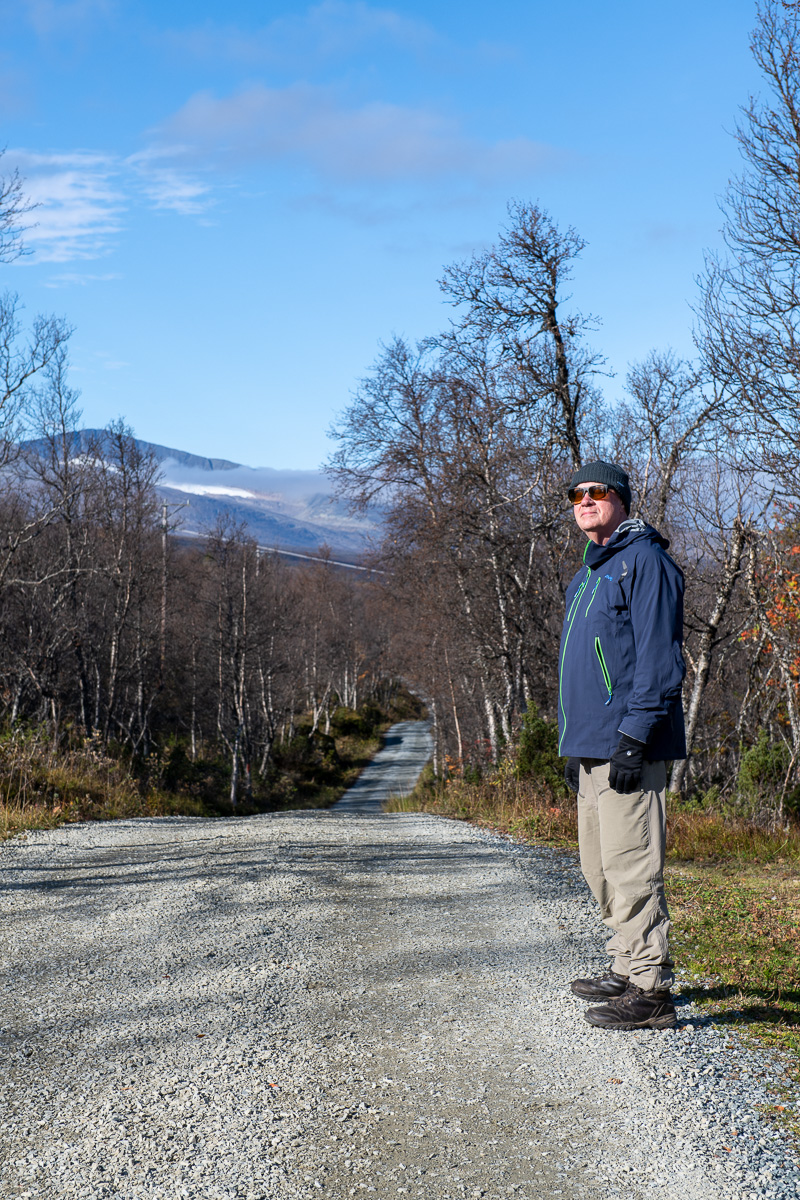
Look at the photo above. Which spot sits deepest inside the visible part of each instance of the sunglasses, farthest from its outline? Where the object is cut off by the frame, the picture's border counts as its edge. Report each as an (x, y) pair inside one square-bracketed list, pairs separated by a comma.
[(597, 491)]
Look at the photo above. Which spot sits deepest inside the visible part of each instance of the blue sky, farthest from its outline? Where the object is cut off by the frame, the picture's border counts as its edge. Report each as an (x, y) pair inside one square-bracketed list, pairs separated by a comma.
[(238, 201)]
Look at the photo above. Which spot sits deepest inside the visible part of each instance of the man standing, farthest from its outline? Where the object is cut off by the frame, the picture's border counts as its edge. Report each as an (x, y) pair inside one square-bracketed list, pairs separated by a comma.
[(620, 718)]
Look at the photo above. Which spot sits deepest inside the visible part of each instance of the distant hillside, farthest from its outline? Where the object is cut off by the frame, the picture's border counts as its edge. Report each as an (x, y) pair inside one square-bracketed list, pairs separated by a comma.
[(290, 510), (87, 439)]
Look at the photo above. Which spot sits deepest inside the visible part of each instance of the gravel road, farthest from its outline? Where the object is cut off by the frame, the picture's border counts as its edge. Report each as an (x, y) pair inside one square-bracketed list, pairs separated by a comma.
[(342, 1003), (393, 772)]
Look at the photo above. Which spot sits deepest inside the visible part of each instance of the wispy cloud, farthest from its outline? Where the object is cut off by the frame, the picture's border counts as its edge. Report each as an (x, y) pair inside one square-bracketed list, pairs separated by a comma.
[(311, 126), (78, 279), (82, 200), (80, 204), (165, 185), (330, 30), (108, 362), (372, 158)]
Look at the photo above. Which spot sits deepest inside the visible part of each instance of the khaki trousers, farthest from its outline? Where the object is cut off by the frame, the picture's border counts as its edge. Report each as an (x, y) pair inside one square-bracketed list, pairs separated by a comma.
[(621, 842)]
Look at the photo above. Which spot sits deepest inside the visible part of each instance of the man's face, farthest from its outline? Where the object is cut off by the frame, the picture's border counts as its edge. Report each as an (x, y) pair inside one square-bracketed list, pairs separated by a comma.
[(599, 518)]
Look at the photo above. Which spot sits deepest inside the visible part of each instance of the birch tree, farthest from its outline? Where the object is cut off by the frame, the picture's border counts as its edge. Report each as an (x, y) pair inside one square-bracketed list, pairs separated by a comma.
[(749, 331)]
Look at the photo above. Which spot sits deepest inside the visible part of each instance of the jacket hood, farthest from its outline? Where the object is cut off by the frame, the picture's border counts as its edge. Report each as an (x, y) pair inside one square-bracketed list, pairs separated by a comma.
[(632, 530)]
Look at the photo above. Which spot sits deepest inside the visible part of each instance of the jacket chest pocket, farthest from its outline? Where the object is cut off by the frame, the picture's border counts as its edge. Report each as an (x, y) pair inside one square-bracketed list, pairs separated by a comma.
[(617, 600), (601, 658)]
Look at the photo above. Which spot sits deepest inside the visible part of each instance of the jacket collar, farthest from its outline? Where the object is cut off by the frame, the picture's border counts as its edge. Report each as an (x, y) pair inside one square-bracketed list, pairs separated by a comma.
[(630, 530)]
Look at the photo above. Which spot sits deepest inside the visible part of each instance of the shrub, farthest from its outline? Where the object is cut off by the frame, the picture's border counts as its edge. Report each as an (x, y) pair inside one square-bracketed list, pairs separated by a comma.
[(346, 722), (761, 778), (537, 752)]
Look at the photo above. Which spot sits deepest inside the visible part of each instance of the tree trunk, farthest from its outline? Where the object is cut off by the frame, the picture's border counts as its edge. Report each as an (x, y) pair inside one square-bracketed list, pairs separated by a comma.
[(708, 642), (235, 766)]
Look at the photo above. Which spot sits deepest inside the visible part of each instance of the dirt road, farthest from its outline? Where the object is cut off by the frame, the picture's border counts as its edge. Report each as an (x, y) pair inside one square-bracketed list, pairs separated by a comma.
[(339, 1003)]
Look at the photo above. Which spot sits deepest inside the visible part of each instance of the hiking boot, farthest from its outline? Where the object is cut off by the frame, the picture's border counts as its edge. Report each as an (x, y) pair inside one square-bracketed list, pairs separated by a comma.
[(601, 987), (636, 1010)]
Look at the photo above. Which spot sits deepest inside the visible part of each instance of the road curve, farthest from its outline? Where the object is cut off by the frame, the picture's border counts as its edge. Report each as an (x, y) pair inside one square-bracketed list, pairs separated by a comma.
[(393, 771)]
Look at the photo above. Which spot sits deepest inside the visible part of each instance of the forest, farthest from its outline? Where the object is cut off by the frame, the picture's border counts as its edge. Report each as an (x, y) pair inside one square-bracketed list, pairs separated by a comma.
[(119, 635), (205, 666)]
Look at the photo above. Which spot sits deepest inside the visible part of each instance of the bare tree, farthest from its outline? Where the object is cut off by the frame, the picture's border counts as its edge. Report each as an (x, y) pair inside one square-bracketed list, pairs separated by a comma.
[(750, 313), (716, 538), (668, 421), (514, 292), (23, 358), (465, 441), (470, 478), (14, 207)]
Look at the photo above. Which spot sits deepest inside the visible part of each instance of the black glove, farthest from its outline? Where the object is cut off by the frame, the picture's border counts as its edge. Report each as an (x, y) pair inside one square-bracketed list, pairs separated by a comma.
[(625, 767), (572, 774)]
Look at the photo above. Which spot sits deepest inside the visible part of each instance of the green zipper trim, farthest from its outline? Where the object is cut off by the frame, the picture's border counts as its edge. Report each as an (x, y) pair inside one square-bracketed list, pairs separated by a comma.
[(575, 602), (591, 602), (570, 619), (606, 677)]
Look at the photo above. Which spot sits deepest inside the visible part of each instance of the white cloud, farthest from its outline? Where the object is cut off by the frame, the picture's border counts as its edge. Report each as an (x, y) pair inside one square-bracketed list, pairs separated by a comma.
[(108, 362), (82, 200), (80, 204), (166, 186), (204, 489), (309, 125)]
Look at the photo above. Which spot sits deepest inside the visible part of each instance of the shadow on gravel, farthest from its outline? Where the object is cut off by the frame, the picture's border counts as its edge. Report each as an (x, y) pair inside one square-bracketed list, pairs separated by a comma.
[(206, 879), (334, 870), (193, 866)]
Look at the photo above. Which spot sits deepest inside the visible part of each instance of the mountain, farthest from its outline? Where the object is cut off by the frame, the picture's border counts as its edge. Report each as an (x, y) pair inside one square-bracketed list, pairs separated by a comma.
[(285, 510)]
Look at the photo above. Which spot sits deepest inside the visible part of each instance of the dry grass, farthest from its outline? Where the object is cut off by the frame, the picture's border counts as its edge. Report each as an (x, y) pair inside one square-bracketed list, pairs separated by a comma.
[(534, 812), (522, 807), (712, 837), (43, 786)]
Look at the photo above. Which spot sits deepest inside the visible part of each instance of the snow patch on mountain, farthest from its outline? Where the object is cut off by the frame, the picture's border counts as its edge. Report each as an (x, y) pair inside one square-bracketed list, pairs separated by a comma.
[(205, 489), (281, 508)]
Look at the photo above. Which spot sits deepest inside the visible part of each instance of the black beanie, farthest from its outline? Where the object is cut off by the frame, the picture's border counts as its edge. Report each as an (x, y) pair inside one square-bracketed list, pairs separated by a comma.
[(608, 473)]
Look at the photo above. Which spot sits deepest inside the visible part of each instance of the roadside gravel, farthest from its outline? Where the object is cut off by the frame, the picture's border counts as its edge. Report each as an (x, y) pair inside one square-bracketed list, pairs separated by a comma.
[(344, 1004)]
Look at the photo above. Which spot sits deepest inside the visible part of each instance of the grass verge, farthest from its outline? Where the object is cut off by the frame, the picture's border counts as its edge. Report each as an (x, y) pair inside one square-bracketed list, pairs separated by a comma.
[(531, 812), (736, 929)]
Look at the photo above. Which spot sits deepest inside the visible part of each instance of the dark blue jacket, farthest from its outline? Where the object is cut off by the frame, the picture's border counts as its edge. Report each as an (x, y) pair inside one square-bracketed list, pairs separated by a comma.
[(620, 665)]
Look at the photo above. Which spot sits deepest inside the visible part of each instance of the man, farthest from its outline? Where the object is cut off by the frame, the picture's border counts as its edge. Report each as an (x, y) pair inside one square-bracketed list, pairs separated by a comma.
[(620, 719)]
